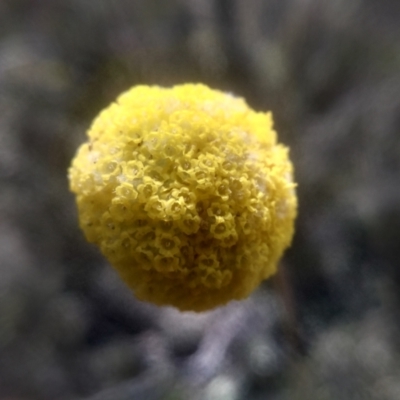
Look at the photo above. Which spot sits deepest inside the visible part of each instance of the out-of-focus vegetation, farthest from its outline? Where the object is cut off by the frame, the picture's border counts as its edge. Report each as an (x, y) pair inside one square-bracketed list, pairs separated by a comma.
[(326, 327)]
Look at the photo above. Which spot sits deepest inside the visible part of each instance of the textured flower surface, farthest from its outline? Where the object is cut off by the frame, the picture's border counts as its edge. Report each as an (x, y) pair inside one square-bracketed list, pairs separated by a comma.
[(187, 193)]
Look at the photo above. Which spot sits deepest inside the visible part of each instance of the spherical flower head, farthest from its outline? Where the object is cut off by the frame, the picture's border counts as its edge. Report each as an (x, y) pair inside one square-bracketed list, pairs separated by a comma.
[(187, 193)]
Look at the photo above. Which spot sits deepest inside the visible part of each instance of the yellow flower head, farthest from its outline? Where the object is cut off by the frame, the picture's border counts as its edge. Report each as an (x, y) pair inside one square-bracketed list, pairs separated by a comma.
[(187, 193)]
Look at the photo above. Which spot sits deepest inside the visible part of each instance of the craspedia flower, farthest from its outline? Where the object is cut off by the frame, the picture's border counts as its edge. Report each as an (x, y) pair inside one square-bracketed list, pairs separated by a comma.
[(187, 193)]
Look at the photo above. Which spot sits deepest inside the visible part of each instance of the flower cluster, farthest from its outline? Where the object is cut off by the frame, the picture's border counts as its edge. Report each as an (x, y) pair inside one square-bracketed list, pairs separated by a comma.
[(187, 193)]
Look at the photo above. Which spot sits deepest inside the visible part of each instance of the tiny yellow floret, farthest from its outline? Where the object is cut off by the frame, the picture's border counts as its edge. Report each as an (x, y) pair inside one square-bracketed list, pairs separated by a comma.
[(187, 193)]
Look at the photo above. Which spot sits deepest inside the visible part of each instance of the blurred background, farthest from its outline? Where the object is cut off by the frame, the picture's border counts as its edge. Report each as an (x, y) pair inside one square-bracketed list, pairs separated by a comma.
[(326, 327)]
